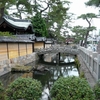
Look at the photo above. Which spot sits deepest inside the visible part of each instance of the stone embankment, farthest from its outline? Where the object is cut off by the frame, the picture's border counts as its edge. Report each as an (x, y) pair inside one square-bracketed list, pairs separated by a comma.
[(89, 77), (6, 65)]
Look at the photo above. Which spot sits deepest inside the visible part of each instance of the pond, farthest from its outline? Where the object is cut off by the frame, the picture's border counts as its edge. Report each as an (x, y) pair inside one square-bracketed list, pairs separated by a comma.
[(47, 78)]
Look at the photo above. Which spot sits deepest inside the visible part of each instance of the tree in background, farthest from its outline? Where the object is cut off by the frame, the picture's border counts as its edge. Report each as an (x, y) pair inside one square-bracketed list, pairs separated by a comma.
[(88, 17), (79, 34), (23, 7), (95, 3), (57, 17), (4, 4), (39, 26), (55, 13)]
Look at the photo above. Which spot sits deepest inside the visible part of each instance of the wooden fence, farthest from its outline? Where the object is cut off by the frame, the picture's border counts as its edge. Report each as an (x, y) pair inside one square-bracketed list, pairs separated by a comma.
[(13, 50)]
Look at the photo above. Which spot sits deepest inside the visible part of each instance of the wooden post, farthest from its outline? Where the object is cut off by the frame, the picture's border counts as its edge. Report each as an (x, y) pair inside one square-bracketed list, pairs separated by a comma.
[(26, 48), (33, 47), (58, 59), (18, 50), (7, 51)]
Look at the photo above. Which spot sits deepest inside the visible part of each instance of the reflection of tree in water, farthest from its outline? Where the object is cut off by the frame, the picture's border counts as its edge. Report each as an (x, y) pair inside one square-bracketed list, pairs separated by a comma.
[(59, 71), (55, 72)]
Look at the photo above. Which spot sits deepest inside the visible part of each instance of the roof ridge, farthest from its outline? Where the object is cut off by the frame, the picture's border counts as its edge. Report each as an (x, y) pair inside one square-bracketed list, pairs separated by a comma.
[(19, 20)]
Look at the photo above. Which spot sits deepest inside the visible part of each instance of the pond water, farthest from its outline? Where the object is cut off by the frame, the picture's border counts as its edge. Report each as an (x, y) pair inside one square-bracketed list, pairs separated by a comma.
[(47, 78)]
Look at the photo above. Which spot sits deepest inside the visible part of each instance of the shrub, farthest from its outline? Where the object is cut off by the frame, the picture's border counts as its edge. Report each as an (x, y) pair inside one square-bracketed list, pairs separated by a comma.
[(25, 89), (71, 88), (97, 90), (1, 91), (5, 34)]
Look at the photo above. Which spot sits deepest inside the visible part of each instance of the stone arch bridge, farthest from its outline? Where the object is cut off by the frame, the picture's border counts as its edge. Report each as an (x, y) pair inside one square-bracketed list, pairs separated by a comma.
[(58, 49)]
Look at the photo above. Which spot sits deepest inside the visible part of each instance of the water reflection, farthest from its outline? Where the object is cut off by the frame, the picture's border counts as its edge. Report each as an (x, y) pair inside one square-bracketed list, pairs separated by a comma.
[(54, 73), (47, 78), (10, 77)]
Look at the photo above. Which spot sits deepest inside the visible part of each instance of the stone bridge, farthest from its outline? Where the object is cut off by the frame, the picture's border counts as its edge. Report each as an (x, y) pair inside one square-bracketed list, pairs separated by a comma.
[(58, 49)]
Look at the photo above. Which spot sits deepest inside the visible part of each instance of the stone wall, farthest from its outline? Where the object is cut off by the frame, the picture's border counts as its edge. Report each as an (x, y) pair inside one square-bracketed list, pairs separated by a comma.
[(6, 65), (98, 47), (92, 61)]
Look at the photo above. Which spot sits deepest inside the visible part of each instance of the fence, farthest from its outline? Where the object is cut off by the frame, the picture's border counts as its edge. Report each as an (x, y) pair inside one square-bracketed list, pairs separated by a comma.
[(92, 61), (13, 50)]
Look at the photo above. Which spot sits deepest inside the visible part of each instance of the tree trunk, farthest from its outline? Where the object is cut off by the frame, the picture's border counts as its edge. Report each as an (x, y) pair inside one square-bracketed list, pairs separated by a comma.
[(85, 42), (81, 44), (1, 12)]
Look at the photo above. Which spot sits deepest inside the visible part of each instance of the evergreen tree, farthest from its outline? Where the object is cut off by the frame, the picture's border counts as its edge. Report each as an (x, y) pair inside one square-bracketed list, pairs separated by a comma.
[(88, 17), (4, 4), (80, 32), (95, 3), (39, 25)]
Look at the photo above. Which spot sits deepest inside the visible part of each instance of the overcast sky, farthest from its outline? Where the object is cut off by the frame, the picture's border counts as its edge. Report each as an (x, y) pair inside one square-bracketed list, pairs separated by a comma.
[(78, 7)]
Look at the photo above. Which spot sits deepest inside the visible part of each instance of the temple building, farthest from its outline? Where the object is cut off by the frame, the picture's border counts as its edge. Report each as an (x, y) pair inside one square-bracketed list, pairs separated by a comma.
[(15, 26)]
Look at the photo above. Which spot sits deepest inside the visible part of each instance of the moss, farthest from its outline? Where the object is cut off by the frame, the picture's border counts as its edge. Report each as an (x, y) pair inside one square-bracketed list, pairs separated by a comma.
[(82, 75), (77, 63), (21, 68)]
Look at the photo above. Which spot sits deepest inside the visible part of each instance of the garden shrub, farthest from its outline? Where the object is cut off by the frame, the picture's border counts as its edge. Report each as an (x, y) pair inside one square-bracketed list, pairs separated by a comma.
[(5, 34), (71, 88), (1, 91), (25, 89), (97, 90)]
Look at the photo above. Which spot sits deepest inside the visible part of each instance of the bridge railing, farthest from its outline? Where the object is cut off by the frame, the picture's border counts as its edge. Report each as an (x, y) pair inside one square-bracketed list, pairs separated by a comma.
[(57, 48), (92, 61)]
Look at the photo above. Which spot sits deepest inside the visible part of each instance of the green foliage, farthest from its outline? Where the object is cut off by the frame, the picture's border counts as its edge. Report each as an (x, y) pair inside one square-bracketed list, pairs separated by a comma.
[(79, 33), (97, 90), (39, 26), (26, 5), (1, 91), (4, 2), (24, 88), (82, 75), (58, 17), (95, 3), (88, 16), (71, 88), (5, 34), (77, 62)]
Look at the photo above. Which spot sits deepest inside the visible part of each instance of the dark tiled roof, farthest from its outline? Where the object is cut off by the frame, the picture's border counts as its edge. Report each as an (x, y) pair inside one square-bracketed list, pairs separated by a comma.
[(49, 40), (16, 38), (40, 39), (17, 23)]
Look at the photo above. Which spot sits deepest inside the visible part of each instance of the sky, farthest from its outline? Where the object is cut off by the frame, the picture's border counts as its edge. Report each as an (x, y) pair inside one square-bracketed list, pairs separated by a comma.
[(78, 7)]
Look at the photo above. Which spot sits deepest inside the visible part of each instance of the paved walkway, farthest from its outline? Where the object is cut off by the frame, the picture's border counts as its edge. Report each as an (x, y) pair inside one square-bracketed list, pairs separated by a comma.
[(87, 73)]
